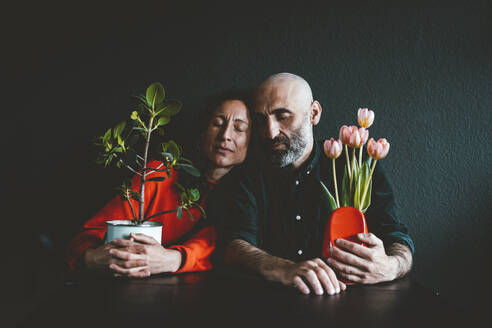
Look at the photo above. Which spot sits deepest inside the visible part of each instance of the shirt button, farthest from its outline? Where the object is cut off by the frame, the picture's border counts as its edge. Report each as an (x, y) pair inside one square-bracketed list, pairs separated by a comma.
[(299, 252), (298, 217), (308, 172), (297, 182)]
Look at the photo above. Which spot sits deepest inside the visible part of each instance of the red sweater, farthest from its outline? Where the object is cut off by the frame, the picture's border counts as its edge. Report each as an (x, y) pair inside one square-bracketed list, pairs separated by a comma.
[(196, 251)]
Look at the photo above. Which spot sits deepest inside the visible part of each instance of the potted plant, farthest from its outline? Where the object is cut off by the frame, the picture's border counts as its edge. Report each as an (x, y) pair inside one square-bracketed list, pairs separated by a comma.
[(347, 217), (119, 145)]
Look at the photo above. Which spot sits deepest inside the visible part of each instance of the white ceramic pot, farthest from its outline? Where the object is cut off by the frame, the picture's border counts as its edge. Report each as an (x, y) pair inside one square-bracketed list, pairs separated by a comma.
[(123, 228)]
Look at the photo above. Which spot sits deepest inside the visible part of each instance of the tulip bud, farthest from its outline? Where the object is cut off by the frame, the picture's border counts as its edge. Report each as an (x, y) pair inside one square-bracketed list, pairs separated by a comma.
[(365, 117), (355, 137), (378, 150), (333, 148)]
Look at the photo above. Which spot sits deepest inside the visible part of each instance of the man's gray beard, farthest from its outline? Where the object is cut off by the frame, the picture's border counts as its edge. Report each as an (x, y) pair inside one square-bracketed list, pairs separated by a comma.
[(294, 148)]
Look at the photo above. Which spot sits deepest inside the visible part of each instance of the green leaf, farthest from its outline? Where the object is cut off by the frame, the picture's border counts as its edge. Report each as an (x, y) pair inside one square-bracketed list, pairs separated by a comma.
[(106, 137), (367, 200), (195, 194), (174, 149), (202, 211), (189, 169), (155, 94), (118, 129), (163, 120), (329, 196), (160, 132), (167, 155), (142, 99), (170, 108), (156, 179), (189, 214), (179, 213), (185, 160), (357, 192), (346, 198)]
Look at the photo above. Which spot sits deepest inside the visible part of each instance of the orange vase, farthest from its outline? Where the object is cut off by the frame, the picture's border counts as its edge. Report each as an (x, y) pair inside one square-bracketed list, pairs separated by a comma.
[(345, 222)]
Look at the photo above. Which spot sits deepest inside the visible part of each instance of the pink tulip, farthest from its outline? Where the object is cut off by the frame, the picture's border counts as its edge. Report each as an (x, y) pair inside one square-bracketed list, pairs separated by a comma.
[(365, 117), (333, 148), (353, 136), (379, 149)]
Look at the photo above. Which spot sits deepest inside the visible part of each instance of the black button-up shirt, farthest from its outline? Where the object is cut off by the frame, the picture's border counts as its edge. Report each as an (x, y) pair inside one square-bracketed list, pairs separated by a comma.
[(284, 212)]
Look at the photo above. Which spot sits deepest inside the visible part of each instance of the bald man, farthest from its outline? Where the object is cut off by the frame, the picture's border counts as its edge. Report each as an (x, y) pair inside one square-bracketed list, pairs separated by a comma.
[(275, 217)]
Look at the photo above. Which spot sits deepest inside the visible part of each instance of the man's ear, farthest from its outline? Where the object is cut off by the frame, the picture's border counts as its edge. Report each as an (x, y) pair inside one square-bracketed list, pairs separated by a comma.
[(315, 112)]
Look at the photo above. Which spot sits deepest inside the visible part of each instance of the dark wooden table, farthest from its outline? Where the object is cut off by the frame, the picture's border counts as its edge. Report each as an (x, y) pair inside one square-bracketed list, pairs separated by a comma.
[(231, 299)]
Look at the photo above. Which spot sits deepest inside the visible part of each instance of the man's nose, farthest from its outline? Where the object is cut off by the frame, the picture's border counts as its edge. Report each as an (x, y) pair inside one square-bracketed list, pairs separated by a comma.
[(271, 129)]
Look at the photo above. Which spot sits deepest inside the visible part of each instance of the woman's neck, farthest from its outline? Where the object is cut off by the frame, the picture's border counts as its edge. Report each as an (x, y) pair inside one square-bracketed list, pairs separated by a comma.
[(216, 173)]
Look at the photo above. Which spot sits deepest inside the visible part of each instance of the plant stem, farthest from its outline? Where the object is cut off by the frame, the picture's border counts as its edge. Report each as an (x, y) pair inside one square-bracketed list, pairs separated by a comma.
[(352, 171), (133, 170), (131, 207), (360, 157), (367, 184), (335, 183), (348, 161), (160, 213), (142, 177)]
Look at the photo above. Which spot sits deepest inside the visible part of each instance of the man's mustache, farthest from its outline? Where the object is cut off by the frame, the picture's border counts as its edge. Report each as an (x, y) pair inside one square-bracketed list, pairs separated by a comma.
[(280, 139)]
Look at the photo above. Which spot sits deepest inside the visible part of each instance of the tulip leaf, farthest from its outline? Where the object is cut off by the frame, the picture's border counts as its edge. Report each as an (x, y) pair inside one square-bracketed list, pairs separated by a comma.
[(367, 200), (155, 94), (346, 198), (329, 196)]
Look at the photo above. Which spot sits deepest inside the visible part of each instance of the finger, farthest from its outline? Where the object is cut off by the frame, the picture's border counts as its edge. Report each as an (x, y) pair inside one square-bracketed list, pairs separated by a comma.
[(345, 268), (128, 264), (348, 258), (350, 277), (120, 242), (354, 248), (342, 285), (125, 255), (125, 271), (313, 280), (328, 278), (140, 274), (299, 284), (325, 281), (369, 238), (140, 237)]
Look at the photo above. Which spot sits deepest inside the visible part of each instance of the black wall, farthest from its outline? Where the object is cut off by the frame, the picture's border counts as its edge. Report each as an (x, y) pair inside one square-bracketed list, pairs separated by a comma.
[(424, 67)]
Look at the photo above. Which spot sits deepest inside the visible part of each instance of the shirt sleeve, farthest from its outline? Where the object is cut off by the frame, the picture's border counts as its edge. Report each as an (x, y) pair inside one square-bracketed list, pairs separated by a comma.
[(382, 215), (196, 251)]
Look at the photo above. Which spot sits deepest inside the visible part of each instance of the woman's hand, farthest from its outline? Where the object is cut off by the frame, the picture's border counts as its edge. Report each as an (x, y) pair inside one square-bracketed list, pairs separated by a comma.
[(100, 258), (144, 250)]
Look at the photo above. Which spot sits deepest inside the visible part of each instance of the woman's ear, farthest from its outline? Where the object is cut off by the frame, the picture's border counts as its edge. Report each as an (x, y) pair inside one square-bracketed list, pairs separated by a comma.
[(315, 112)]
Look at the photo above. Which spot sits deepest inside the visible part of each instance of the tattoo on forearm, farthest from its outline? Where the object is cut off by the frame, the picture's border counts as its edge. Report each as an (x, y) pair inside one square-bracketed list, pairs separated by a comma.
[(403, 256)]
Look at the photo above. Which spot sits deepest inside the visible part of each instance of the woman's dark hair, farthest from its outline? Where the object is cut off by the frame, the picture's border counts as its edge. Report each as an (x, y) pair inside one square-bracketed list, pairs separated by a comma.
[(212, 102)]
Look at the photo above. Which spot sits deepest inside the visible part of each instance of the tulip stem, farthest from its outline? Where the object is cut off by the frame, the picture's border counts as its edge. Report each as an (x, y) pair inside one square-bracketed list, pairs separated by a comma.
[(348, 162), (367, 184), (335, 183), (352, 170), (360, 157)]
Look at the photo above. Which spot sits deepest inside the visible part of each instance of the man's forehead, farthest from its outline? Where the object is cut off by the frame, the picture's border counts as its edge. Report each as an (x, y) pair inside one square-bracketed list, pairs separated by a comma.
[(275, 96)]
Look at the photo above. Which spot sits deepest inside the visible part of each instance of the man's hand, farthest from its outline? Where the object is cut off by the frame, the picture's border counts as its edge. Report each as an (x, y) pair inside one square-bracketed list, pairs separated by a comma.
[(367, 265), (145, 250), (313, 273)]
